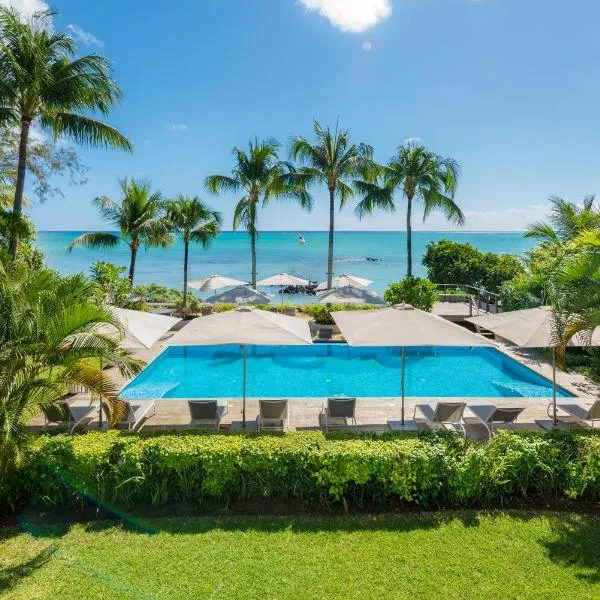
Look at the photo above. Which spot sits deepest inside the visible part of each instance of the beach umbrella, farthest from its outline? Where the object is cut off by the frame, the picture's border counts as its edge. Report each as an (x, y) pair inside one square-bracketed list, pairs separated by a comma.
[(241, 294), (244, 326), (282, 280), (214, 282), (350, 295), (344, 280), (533, 328), (402, 325), (142, 330)]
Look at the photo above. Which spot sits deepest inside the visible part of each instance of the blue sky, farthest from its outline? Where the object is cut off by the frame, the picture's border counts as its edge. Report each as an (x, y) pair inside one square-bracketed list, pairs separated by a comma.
[(508, 88)]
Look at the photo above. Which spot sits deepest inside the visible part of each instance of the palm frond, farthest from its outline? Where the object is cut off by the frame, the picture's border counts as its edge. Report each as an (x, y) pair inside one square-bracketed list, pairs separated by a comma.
[(97, 240)]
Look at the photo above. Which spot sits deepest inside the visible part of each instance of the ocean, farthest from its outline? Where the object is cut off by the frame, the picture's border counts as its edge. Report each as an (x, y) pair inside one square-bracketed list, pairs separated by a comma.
[(376, 255)]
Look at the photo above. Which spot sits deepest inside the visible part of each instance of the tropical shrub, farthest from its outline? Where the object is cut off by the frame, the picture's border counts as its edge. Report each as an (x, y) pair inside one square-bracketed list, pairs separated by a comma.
[(321, 313), (113, 288), (418, 292), (158, 293), (452, 262), (319, 470)]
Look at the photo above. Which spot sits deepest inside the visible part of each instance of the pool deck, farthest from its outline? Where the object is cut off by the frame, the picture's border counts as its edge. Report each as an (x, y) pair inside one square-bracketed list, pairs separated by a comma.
[(371, 413)]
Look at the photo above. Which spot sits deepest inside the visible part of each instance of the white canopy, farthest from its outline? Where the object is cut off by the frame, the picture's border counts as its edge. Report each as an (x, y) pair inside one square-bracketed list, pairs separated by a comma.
[(344, 280), (530, 328), (402, 325), (282, 279), (214, 282), (244, 326), (142, 329), (240, 295), (350, 295)]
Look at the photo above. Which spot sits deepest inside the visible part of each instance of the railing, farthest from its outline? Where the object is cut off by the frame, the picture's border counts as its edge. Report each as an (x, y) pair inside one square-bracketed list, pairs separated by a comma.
[(474, 296)]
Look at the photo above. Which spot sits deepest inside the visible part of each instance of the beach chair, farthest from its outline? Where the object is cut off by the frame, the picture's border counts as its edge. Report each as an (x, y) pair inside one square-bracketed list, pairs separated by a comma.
[(489, 415), (336, 412), (206, 413), (136, 414), (70, 418), (324, 334), (581, 414), (443, 415), (273, 414)]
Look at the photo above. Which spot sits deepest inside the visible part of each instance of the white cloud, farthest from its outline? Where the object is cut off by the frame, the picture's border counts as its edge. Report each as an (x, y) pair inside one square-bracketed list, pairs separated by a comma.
[(353, 16), (367, 45), (412, 141), (508, 219), (176, 126), (26, 7), (85, 37)]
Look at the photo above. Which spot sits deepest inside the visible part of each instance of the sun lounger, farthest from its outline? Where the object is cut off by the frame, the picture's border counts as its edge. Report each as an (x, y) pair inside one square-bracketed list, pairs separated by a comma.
[(273, 415), (137, 412), (336, 412), (443, 415), (584, 415), (489, 415), (70, 418), (206, 413)]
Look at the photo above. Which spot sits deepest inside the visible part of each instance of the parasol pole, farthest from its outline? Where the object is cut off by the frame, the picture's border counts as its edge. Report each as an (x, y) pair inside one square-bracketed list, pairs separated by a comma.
[(402, 378), (244, 385)]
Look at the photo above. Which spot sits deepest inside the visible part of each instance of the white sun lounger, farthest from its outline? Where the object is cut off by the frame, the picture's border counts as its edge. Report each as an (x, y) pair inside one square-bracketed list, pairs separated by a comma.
[(70, 417), (584, 415), (273, 415), (206, 413), (337, 412), (489, 415), (443, 415), (137, 412)]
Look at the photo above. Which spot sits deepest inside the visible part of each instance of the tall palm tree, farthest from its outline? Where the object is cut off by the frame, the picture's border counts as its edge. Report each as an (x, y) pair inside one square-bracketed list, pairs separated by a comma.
[(259, 175), (195, 222), (567, 221), (417, 173), (43, 82), (139, 218), (52, 335), (332, 160)]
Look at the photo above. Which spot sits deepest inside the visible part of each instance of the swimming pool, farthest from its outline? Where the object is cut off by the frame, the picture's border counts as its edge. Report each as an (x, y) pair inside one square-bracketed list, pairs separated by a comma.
[(335, 369)]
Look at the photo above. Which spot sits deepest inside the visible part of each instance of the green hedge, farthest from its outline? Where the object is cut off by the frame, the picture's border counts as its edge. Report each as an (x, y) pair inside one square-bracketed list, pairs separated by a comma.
[(315, 469)]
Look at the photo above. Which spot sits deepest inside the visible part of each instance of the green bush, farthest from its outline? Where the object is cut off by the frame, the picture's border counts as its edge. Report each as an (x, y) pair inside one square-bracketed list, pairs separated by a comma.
[(310, 467), (321, 313), (418, 292), (452, 262), (158, 293)]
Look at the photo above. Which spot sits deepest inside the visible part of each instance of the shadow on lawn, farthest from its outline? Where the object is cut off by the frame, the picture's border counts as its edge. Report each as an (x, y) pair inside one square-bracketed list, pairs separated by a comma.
[(10, 576), (575, 543)]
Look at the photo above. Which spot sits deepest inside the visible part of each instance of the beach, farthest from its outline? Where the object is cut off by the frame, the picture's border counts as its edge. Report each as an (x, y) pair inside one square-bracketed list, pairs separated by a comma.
[(376, 255)]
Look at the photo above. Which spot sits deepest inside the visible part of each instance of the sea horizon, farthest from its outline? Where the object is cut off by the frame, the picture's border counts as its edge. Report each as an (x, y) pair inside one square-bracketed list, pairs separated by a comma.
[(376, 255)]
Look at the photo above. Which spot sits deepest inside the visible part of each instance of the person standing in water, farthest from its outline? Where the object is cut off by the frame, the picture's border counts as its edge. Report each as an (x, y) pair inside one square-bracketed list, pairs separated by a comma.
[(301, 239)]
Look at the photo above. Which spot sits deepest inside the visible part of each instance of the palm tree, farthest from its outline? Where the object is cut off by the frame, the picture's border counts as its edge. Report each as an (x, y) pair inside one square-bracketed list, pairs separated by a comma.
[(259, 175), (139, 218), (418, 173), (43, 83), (332, 160), (52, 335), (195, 222), (567, 221)]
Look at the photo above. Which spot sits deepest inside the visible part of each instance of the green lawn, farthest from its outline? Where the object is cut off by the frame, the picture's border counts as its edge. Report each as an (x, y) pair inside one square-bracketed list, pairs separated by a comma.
[(439, 556)]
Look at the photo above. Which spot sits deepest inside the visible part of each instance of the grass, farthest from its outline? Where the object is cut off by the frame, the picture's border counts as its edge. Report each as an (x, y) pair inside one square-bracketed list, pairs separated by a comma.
[(429, 556)]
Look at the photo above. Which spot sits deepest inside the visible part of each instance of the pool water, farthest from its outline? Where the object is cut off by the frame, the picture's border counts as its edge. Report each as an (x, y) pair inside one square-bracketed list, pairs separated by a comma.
[(335, 369)]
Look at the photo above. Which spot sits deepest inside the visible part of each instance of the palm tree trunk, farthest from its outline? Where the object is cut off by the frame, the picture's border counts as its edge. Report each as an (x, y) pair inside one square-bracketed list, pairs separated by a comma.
[(186, 248), (409, 237), (20, 185), (253, 255), (134, 249), (331, 231)]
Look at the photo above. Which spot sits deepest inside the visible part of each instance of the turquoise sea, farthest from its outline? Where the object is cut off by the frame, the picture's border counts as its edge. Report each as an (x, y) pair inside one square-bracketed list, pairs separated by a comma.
[(277, 252)]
